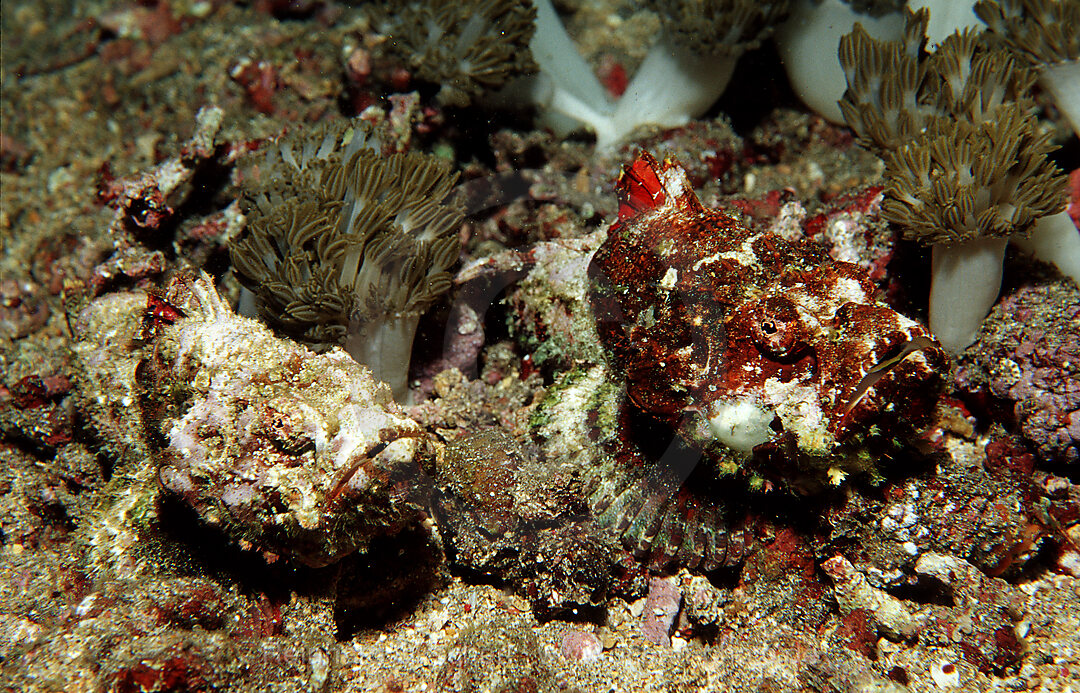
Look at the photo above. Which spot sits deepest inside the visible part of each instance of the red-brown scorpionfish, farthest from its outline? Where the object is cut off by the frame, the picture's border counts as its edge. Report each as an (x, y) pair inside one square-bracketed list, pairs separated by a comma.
[(777, 366)]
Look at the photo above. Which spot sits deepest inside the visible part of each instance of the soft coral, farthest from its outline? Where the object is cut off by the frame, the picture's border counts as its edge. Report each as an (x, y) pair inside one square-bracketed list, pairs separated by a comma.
[(683, 74)]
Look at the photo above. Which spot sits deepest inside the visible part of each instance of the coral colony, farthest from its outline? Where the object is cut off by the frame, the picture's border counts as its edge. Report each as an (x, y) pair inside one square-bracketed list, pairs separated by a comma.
[(966, 163), (553, 392), (686, 70), (348, 245), (1043, 34), (466, 49)]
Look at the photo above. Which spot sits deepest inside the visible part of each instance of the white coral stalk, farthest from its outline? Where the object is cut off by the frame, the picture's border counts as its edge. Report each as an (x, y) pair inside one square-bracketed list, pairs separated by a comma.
[(385, 345), (966, 281), (1063, 81), (946, 16), (672, 86), (808, 47), (567, 85), (1056, 240)]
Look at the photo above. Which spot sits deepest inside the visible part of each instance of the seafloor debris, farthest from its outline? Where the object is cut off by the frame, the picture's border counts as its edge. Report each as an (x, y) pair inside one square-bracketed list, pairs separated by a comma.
[(149, 207), (506, 511), (662, 606), (1029, 356), (853, 592), (581, 646), (106, 348), (552, 316), (501, 654), (982, 617), (167, 634)]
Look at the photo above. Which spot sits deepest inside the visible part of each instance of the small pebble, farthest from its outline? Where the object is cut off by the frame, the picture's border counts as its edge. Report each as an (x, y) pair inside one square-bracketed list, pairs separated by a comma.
[(661, 607), (945, 674), (581, 646)]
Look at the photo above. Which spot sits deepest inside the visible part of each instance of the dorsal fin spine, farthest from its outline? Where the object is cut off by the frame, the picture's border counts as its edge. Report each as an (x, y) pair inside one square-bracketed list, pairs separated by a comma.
[(639, 187), (646, 185)]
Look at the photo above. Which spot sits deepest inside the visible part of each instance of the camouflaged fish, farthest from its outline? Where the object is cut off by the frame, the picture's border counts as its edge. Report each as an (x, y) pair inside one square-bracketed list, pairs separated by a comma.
[(777, 366)]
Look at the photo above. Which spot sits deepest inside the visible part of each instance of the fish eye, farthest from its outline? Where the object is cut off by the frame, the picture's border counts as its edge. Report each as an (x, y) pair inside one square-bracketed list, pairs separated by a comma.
[(776, 328)]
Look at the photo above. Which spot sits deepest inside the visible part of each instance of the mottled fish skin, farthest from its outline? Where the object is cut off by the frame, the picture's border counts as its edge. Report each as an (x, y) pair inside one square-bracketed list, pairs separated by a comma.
[(778, 362)]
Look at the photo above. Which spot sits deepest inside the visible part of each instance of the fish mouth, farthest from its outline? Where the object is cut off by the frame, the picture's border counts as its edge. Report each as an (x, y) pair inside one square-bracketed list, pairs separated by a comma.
[(884, 366)]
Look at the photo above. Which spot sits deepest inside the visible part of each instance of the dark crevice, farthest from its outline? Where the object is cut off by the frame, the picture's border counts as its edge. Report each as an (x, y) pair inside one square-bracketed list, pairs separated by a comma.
[(208, 550), (388, 581)]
